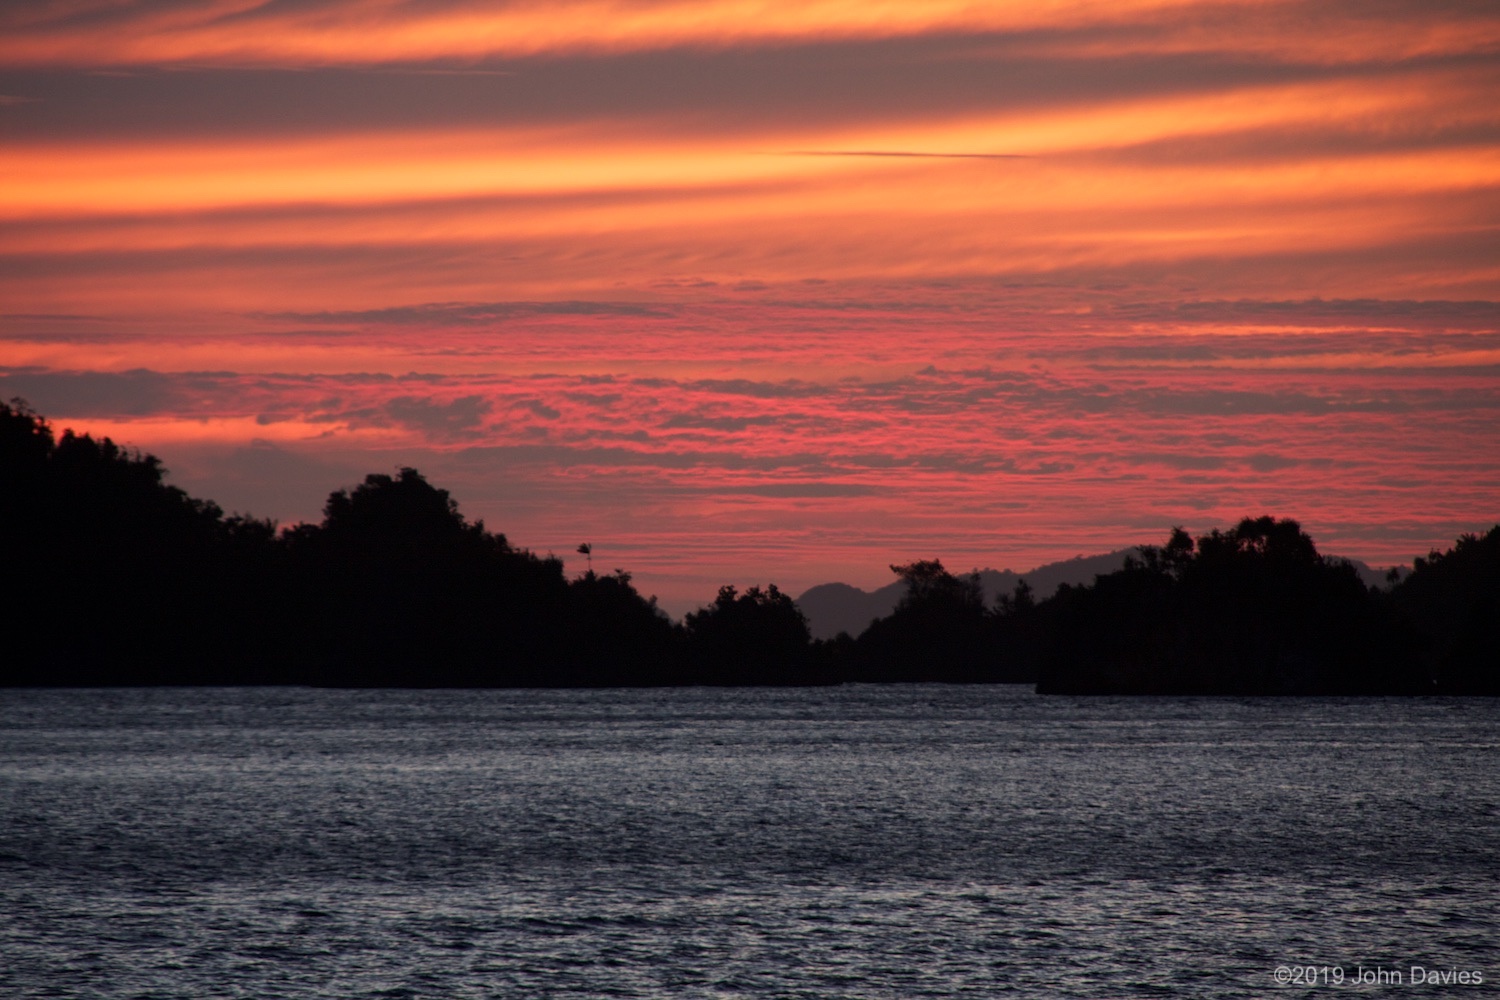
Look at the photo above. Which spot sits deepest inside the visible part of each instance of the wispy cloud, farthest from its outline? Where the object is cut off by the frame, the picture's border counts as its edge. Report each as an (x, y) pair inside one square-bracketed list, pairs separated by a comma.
[(467, 313), (911, 154), (363, 31)]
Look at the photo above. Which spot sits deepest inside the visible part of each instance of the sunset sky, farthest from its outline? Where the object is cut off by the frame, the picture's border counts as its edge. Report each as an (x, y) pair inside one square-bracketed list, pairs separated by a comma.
[(747, 292)]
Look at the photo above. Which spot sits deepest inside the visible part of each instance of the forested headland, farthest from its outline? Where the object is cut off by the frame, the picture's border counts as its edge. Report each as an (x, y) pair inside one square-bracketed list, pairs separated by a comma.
[(111, 576)]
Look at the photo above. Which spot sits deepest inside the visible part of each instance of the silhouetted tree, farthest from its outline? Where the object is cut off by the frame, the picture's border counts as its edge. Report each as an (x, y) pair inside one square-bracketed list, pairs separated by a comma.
[(404, 590), (112, 576), (1019, 626), (1254, 610), (755, 637), (1453, 597), (618, 637), (939, 631)]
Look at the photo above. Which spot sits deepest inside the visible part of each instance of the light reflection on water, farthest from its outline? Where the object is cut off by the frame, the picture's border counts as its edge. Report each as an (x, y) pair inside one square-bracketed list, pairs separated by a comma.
[(857, 841)]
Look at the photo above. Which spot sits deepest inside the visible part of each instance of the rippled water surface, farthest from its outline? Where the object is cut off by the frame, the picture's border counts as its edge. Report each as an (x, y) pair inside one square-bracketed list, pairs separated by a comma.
[(888, 842)]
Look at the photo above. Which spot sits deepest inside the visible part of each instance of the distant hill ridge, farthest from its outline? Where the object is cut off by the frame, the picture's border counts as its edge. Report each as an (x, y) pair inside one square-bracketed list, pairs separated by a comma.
[(832, 608)]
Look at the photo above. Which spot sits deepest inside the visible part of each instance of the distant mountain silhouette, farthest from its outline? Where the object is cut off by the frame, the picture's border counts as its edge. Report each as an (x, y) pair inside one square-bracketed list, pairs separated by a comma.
[(832, 608)]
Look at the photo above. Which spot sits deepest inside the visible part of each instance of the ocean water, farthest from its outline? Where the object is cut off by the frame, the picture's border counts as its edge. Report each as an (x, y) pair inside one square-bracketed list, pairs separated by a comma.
[(892, 842)]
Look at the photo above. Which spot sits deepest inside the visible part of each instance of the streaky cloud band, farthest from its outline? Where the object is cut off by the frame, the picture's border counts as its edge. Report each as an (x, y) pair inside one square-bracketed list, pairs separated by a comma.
[(906, 153)]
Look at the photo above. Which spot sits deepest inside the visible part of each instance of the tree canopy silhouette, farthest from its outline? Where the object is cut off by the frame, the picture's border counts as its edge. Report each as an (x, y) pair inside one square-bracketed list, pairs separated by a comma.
[(940, 630), (109, 571), (1252, 610), (1454, 598), (759, 636), (113, 576)]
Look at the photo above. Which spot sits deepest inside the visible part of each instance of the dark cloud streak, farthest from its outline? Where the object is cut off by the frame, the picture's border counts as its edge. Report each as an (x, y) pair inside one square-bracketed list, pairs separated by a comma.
[(805, 87), (467, 313)]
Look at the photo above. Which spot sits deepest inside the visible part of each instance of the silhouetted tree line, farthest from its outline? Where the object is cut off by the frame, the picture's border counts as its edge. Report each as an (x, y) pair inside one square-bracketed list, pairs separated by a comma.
[(111, 576), (1254, 610)]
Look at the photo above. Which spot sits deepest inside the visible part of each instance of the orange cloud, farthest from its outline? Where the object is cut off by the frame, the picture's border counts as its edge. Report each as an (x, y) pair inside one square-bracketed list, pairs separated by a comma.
[(364, 31), (574, 209), (236, 32)]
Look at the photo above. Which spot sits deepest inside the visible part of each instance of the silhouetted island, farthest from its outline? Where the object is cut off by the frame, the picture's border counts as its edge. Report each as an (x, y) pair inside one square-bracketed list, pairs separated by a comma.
[(113, 577)]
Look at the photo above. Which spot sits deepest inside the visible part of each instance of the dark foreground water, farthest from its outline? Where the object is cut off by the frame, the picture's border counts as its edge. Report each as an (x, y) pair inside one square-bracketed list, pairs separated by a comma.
[(853, 842)]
